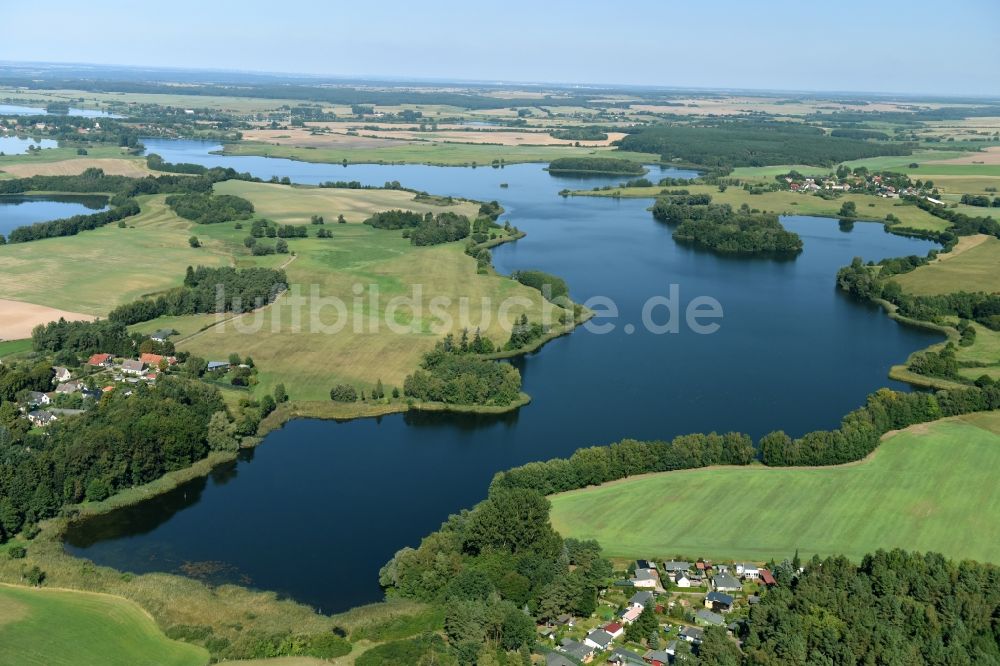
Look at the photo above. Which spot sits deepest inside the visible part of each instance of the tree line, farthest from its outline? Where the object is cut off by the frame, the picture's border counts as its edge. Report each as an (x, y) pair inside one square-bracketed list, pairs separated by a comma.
[(857, 436), (426, 229), (737, 143), (123, 188), (449, 375)]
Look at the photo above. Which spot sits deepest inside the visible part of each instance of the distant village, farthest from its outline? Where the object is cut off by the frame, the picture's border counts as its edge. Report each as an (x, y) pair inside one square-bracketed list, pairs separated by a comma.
[(887, 185), (76, 390), (685, 597)]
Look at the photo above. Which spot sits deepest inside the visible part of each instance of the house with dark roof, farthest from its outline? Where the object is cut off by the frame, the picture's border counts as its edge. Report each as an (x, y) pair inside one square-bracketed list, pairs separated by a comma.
[(692, 635), (598, 639), (41, 418), (35, 398), (674, 566), (623, 657), (724, 582), (576, 650), (707, 617), (645, 578), (641, 599), (644, 564), (657, 657), (556, 659), (162, 335), (719, 601)]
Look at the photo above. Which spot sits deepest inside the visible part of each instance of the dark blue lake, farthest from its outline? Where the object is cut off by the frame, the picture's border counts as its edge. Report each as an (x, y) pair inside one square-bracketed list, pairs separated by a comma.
[(320, 506), (20, 210)]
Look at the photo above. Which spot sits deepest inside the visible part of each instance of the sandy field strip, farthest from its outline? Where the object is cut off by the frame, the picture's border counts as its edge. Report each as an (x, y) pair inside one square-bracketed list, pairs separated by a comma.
[(17, 318), (989, 156), (111, 166)]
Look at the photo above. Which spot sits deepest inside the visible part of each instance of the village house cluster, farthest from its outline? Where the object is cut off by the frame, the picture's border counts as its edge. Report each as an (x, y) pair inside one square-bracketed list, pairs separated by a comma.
[(686, 597), (75, 391)]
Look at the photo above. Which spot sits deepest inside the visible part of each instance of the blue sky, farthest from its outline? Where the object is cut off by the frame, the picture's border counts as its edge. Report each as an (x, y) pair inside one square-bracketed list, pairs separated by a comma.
[(890, 45)]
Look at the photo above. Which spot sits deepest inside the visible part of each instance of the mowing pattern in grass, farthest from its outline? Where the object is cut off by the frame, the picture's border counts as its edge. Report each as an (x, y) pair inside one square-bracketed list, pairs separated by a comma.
[(96, 270), (931, 487), (976, 268), (54, 628)]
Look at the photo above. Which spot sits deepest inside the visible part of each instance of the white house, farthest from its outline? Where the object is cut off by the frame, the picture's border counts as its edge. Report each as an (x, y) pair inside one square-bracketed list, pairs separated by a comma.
[(37, 398), (747, 570), (42, 418), (614, 628), (645, 578), (681, 580), (61, 374), (133, 367), (598, 639), (631, 614)]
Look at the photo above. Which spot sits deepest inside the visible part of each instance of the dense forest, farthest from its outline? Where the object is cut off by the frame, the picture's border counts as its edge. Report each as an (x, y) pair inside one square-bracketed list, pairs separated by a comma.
[(552, 287), (208, 208), (894, 608), (718, 227), (753, 143), (599, 165), (487, 565), (124, 442)]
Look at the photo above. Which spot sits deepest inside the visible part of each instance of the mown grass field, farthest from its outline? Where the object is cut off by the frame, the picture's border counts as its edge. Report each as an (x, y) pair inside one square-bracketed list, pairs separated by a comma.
[(310, 357), (448, 154), (974, 269), (53, 628), (94, 271), (8, 347), (931, 487), (794, 203)]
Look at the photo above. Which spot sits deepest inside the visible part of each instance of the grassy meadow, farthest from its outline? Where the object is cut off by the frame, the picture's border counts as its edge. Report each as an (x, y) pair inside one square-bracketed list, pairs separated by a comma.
[(310, 359), (930, 487), (97, 270), (973, 268), (53, 627)]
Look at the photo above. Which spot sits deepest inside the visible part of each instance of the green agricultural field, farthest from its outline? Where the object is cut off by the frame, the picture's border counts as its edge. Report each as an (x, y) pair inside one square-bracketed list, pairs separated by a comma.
[(9, 347), (448, 154), (794, 203), (768, 173), (901, 163), (930, 487), (971, 269), (308, 360), (94, 271), (65, 153), (53, 628)]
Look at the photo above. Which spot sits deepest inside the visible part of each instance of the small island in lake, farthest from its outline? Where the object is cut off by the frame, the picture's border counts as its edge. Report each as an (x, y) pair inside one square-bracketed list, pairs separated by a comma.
[(720, 228), (596, 165)]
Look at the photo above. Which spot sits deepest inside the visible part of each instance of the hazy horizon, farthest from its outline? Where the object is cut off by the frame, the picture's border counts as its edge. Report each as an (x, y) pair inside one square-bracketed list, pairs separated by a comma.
[(889, 48)]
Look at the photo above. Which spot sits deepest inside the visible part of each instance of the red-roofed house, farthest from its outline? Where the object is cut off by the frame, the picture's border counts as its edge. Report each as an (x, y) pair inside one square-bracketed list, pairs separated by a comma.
[(615, 629), (152, 360), (102, 360), (767, 578)]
